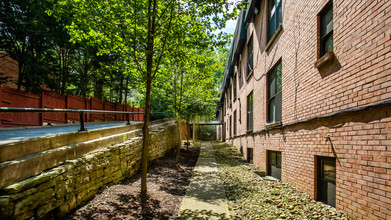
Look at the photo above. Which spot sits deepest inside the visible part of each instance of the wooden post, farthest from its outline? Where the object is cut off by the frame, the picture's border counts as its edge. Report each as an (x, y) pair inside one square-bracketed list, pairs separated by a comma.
[(1, 105), (42, 106)]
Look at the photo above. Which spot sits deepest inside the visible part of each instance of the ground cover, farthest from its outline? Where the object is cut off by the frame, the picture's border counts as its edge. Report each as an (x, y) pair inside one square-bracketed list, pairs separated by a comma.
[(250, 197), (167, 185)]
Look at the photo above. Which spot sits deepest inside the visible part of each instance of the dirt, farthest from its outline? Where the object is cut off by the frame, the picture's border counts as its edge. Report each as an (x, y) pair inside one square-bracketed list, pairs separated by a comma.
[(166, 182)]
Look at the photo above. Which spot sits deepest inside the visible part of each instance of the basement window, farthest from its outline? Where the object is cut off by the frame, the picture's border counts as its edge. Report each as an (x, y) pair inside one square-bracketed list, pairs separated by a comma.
[(274, 164), (326, 178), (250, 155)]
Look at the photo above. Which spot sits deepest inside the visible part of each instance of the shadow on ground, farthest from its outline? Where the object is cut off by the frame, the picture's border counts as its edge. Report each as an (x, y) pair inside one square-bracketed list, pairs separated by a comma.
[(201, 214), (167, 184)]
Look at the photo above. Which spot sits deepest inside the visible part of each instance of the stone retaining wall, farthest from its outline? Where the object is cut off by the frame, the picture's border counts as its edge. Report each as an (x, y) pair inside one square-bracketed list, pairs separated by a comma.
[(59, 190)]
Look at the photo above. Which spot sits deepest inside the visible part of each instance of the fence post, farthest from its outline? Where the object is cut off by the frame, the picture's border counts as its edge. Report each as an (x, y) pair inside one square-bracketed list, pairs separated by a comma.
[(104, 108), (42, 106), (1, 105), (66, 107), (127, 119), (82, 128)]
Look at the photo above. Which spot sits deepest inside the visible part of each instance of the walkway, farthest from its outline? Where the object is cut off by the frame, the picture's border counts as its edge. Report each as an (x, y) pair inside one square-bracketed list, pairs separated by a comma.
[(8, 135), (205, 198)]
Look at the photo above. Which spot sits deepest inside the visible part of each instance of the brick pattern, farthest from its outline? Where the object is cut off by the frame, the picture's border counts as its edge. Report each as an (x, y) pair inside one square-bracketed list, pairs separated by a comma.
[(362, 76)]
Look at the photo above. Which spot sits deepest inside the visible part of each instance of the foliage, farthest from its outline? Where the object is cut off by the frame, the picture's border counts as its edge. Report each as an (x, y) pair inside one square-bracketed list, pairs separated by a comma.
[(25, 31), (144, 35)]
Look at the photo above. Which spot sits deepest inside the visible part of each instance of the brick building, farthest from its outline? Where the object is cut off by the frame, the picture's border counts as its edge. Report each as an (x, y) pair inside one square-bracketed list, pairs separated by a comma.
[(306, 96)]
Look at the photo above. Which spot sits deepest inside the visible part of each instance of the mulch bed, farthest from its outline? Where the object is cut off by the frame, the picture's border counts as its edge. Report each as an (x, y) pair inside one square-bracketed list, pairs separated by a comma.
[(167, 185)]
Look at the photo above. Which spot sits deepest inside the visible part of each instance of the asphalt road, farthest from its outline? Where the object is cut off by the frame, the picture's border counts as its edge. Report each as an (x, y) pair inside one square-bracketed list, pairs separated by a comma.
[(8, 135)]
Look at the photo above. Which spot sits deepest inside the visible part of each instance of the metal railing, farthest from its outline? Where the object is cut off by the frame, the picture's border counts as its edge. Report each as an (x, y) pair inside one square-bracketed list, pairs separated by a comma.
[(80, 111)]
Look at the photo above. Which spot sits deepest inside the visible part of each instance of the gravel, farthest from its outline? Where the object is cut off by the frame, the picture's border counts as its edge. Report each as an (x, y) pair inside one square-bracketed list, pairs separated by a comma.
[(253, 197)]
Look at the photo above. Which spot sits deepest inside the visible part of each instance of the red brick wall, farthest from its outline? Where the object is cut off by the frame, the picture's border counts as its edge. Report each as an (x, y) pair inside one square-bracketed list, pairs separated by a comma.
[(9, 67), (361, 140)]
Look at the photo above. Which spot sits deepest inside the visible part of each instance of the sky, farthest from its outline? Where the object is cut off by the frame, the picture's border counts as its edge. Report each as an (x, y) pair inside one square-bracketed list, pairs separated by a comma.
[(230, 27), (231, 24)]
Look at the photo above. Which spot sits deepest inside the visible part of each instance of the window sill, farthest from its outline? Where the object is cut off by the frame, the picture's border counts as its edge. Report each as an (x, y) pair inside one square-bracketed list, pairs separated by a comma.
[(273, 124), (249, 75), (275, 35), (324, 60), (249, 131)]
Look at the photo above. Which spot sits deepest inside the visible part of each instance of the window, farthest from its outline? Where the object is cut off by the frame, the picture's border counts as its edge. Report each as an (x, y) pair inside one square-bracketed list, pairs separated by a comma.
[(326, 180), (326, 29), (274, 164), (234, 85), (250, 112), (230, 126), (250, 56), (234, 122), (230, 96), (275, 16), (275, 94), (249, 155), (240, 111), (224, 132), (240, 73)]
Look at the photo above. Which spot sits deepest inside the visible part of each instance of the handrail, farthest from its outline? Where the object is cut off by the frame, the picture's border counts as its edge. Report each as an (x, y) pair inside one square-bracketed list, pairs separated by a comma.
[(80, 111)]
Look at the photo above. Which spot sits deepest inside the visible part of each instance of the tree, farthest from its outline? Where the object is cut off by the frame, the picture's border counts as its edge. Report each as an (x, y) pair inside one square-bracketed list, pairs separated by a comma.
[(141, 32)]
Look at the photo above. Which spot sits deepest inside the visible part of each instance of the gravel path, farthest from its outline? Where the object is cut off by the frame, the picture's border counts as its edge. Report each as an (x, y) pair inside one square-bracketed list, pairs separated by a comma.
[(250, 197)]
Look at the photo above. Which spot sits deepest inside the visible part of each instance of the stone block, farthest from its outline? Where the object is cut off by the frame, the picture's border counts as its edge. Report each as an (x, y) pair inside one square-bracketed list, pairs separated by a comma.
[(90, 157), (43, 210), (25, 215), (124, 164), (4, 201), (100, 172), (6, 209), (63, 210), (56, 171), (60, 190), (50, 183), (75, 162), (33, 201), (22, 194), (81, 197), (70, 200), (25, 184)]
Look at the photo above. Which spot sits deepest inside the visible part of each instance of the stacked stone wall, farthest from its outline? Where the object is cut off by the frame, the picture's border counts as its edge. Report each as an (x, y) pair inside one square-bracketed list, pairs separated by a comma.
[(57, 191)]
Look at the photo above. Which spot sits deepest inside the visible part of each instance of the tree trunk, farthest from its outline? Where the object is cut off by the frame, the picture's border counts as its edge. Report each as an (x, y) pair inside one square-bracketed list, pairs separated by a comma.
[(126, 90), (179, 119), (147, 115), (146, 138), (121, 88)]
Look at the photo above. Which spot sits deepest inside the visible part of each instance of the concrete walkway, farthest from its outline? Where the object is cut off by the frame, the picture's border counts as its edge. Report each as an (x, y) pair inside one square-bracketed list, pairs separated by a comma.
[(205, 198), (8, 135)]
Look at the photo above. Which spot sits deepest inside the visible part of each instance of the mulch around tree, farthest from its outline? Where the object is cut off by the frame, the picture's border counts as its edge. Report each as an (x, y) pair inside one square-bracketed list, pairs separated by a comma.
[(167, 184)]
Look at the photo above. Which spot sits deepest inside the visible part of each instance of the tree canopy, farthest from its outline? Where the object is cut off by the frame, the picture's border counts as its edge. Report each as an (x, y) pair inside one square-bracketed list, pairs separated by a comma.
[(105, 47)]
